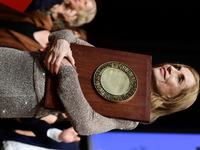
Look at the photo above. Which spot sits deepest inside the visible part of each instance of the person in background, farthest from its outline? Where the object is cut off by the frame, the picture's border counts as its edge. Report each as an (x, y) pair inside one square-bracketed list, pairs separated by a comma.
[(66, 13), (28, 31), (38, 133)]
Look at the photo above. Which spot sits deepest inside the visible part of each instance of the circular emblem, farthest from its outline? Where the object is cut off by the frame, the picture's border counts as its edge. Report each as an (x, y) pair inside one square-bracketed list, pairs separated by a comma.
[(115, 81)]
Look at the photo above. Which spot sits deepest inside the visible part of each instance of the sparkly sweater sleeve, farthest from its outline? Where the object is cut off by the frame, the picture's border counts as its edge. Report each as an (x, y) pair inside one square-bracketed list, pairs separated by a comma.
[(68, 36), (83, 118)]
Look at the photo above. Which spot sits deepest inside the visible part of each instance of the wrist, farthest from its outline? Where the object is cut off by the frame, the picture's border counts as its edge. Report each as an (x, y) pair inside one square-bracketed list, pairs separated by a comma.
[(63, 41), (62, 34)]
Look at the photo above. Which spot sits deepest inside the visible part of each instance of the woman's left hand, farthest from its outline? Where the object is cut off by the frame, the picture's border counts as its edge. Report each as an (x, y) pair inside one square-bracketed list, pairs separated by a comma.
[(69, 15), (56, 52)]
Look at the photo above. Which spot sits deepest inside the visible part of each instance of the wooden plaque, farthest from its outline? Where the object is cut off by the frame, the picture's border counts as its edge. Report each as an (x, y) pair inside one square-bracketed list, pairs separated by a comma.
[(137, 107), (88, 59)]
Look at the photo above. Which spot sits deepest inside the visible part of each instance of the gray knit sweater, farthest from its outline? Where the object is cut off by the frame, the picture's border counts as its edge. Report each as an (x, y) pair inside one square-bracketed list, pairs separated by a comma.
[(22, 89)]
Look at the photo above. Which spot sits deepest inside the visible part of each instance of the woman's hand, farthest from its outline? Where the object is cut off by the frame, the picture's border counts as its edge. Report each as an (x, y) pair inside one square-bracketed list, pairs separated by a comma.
[(56, 52), (65, 62), (69, 135), (69, 15)]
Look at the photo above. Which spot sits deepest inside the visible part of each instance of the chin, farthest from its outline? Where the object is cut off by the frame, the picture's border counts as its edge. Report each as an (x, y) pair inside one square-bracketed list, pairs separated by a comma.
[(154, 73), (155, 79)]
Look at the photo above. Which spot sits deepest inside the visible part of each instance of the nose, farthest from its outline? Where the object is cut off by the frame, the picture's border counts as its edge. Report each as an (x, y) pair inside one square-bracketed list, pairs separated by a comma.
[(169, 69), (174, 69)]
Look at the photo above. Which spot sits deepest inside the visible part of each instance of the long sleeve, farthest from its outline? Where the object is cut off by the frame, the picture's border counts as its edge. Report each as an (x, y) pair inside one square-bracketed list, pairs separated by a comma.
[(83, 118), (68, 36), (42, 4)]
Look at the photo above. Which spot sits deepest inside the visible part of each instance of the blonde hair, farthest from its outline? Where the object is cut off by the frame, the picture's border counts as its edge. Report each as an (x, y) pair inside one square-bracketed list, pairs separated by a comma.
[(84, 17), (161, 107)]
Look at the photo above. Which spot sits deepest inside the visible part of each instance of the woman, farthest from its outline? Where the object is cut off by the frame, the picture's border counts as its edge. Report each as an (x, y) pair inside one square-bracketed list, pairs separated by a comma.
[(28, 68), (175, 88), (72, 13), (27, 31)]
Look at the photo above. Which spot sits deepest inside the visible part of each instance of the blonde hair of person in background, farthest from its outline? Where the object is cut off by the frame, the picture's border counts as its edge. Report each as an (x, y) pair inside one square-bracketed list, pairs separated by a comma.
[(69, 14), (84, 17)]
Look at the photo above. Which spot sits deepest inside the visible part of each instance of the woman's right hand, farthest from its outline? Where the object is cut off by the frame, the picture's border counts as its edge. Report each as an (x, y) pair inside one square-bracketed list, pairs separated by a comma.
[(69, 135), (56, 52)]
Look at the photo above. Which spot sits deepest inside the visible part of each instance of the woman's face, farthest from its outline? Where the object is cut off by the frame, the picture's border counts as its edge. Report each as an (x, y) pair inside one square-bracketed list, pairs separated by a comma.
[(169, 80), (81, 5)]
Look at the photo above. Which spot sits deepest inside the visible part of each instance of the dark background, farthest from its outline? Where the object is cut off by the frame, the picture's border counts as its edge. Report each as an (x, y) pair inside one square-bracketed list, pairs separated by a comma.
[(167, 30)]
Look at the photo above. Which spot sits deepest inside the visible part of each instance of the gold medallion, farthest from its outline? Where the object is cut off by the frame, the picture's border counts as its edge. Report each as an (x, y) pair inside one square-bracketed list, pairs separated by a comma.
[(115, 81)]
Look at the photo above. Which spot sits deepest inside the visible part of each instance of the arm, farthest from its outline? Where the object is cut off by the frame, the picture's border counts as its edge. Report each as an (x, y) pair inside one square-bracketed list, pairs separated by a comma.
[(83, 118), (43, 129), (60, 47), (68, 36)]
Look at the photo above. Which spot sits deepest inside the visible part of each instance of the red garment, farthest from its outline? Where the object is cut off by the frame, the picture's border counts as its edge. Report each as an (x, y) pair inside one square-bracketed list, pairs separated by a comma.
[(19, 5)]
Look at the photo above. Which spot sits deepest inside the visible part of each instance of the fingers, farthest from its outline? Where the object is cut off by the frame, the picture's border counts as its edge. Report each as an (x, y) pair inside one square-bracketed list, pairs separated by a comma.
[(77, 139), (65, 62), (71, 12), (48, 61), (70, 15), (56, 63), (73, 139), (71, 60), (55, 55), (53, 62), (75, 136), (69, 135), (55, 67)]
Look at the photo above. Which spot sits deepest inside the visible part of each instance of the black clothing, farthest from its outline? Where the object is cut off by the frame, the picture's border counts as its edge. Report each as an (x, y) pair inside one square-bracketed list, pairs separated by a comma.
[(42, 4)]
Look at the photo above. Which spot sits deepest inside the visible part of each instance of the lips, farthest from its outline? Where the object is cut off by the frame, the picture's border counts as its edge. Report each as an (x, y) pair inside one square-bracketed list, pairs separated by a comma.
[(163, 72), (77, 1)]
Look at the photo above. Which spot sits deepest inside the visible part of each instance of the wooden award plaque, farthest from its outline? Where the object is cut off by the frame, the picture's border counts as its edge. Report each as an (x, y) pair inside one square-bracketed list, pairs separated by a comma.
[(94, 63)]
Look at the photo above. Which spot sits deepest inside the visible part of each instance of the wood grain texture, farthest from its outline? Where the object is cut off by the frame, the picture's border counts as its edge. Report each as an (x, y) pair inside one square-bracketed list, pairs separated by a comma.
[(88, 59)]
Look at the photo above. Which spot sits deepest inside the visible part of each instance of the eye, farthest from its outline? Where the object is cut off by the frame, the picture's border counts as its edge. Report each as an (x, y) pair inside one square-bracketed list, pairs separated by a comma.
[(180, 79), (177, 67)]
